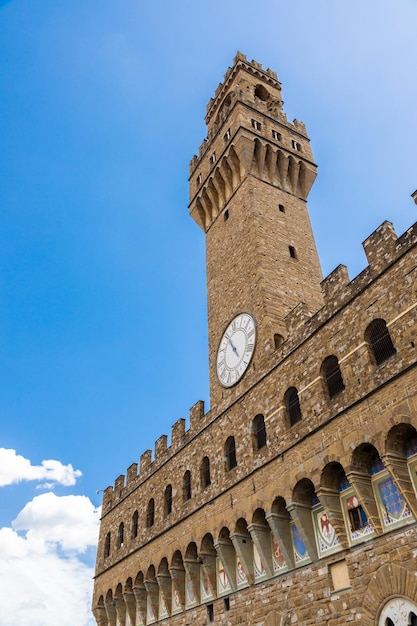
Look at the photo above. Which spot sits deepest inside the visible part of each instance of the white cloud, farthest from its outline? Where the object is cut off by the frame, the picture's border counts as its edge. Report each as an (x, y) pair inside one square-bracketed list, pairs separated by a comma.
[(42, 575), (70, 521), (14, 468)]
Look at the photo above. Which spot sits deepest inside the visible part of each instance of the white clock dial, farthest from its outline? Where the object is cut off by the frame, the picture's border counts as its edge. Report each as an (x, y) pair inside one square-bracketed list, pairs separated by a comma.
[(236, 349)]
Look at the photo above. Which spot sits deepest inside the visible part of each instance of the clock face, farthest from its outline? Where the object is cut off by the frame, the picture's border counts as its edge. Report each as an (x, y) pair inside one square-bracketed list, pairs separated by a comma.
[(236, 349)]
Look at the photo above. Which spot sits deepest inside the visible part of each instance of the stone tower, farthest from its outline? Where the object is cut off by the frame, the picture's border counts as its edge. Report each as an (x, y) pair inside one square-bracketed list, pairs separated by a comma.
[(248, 191), (293, 499)]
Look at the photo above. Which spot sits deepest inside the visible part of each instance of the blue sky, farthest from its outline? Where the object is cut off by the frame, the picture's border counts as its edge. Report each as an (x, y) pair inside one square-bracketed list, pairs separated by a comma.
[(103, 335)]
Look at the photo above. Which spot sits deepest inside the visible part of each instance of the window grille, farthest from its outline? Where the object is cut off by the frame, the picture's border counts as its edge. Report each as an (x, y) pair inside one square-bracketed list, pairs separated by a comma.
[(332, 376), (380, 341)]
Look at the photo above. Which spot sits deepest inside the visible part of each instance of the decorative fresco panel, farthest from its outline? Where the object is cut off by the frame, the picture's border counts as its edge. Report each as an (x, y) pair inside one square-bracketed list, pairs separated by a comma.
[(205, 587), (150, 616), (392, 505), (301, 555), (223, 584), (241, 578), (176, 602), (327, 540), (163, 609), (258, 566), (190, 599), (278, 561)]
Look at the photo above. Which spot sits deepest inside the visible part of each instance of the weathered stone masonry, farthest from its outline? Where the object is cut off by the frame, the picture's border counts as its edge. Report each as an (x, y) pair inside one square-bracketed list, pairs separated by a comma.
[(293, 500)]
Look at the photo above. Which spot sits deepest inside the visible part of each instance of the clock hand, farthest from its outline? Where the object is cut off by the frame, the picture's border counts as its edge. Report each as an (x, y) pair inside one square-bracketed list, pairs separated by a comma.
[(233, 347)]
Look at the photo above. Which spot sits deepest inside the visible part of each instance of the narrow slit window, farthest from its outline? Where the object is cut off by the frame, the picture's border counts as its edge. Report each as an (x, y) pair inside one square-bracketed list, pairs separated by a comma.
[(230, 449)]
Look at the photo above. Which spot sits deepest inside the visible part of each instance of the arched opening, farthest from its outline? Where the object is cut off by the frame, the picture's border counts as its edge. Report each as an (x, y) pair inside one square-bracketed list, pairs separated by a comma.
[(259, 432), (379, 341), (150, 513), (292, 405), (262, 93), (168, 500), (205, 472), (230, 453), (332, 376), (107, 545), (135, 523), (186, 486), (121, 535)]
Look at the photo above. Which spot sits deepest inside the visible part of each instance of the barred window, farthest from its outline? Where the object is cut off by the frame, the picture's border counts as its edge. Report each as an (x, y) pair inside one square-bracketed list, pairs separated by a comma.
[(332, 376), (379, 340)]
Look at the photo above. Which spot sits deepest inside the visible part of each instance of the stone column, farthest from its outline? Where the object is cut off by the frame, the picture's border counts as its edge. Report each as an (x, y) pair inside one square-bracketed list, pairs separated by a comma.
[(192, 567), (227, 554), (100, 616), (261, 537), (242, 544), (280, 526), (301, 515), (130, 602), (139, 592), (165, 588), (178, 580)]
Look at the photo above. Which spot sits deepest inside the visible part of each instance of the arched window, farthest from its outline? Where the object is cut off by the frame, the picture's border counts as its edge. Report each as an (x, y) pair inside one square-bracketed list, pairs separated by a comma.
[(121, 535), (205, 472), (186, 486), (168, 500), (134, 526), (292, 404), (259, 430), (278, 340), (398, 606), (379, 340), (230, 453), (332, 376), (150, 514), (107, 545)]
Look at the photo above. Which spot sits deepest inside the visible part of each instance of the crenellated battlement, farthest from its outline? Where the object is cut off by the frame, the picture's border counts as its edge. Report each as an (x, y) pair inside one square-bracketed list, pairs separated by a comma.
[(136, 474), (252, 67)]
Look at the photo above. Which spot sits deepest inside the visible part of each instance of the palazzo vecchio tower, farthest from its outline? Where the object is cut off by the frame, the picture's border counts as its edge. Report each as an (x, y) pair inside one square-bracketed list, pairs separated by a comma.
[(293, 500)]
